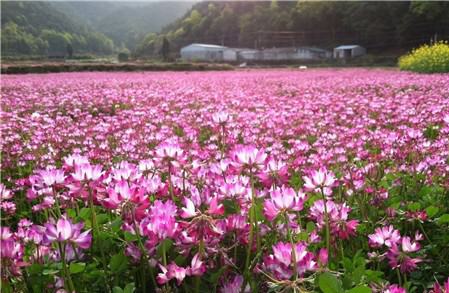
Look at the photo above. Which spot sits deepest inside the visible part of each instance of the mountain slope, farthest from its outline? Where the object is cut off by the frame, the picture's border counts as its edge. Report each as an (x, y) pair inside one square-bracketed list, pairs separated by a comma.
[(379, 26), (125, 22), (37, 28)]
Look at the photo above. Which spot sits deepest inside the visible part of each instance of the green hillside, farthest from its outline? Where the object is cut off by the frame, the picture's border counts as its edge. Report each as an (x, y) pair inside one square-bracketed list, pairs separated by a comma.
[(37, 28), (55, 28), (126, 23), (379, 26)]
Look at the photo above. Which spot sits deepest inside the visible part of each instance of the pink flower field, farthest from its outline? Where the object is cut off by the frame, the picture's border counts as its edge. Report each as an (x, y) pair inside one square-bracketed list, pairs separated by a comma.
[(321, 180)]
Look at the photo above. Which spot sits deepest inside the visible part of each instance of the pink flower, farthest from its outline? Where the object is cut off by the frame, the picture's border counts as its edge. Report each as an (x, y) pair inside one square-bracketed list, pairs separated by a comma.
[(169, 151), (4, 192), (280, 263), (197, 267), (123, 193), (179, 273), (320, 178), (75, 159), (234, 285), (161, 221), (65, 230), (323, 257), (163, 277), (51, 177), (338, 218), (87, 172), (437, 288), (394, 289), (171, 272), (283, 199), (189, 210), (248, 156), (221, 117), (387, 236), (408, 246), (400, 259), (215, 208)]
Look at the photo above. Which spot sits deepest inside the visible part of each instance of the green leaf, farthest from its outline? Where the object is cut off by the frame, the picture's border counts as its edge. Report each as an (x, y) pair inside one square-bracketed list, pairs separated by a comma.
[(360, 289), (214, 277), (130, 237), (116, 225), (118, 263), (50, 272), (329, 283), (373, 276), (35, 268), (71, 213), (130, 288), (295, 181), (117, 289), (85, 213), (358, 274), (167, 244), (102, 219), (231, 207), (414, 206), (432, 211), (77, 267), (444, 219), (310, 227)]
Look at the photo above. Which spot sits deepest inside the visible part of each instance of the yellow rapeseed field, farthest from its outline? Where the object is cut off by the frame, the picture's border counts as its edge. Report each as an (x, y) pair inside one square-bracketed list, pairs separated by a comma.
[(427, 58)]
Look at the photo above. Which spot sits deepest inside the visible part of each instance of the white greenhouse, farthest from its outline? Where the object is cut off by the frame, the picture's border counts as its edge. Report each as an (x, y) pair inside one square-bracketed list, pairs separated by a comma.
[(205, 52), (349, 51)]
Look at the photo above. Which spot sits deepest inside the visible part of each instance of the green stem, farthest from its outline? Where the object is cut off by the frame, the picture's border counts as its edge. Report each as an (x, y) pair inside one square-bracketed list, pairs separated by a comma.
[(164, 255), (67, 278), (170, 186), (96, 234), (399, 277), (252, 226), (144, 254), (326, 218), (424, 232), (58, 208), (290, 238)]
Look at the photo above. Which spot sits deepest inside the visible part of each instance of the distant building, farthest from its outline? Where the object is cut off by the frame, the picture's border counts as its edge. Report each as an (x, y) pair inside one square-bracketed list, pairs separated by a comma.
[(349, 51), (204, 52), (215, 53), (292, 53)]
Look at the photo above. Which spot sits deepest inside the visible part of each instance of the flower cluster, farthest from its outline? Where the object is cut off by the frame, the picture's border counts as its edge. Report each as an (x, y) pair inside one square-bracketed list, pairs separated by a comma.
[(247, 181)]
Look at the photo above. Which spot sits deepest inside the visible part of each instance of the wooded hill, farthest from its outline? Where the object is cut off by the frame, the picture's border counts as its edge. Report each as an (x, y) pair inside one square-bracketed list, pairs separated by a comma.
[(50, 28), (379, 26)]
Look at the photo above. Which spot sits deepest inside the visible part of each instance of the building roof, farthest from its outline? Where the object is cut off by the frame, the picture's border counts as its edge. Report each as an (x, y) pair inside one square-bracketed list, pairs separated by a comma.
[(345, 47), (206, 46), (314, 49)]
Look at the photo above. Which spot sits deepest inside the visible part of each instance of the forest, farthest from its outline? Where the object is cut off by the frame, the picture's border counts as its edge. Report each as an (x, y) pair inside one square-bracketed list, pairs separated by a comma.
[(99, 28), (382, 27), (103, 28)]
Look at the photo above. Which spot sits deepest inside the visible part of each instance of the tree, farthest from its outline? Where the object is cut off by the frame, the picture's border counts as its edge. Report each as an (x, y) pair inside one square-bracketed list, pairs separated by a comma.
[(69, 50), (165, 50), (57, 42)]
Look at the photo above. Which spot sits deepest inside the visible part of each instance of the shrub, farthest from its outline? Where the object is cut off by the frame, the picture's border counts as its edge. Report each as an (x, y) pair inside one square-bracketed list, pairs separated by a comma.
[(123, 56), (427, 58)]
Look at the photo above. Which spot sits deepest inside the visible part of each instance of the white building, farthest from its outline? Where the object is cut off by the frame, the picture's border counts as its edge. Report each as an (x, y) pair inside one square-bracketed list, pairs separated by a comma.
[(292, 53), (204, 52), (215, 53), (349, 51)]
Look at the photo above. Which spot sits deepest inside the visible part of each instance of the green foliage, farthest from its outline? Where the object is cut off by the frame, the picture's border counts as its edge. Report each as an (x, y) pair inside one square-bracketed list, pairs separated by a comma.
[(123, 56), (15, 40), (379, 26), (427, 59), (328, 283), (37, 28)]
